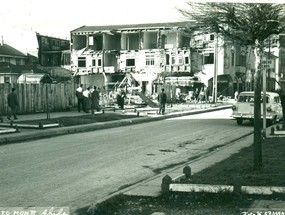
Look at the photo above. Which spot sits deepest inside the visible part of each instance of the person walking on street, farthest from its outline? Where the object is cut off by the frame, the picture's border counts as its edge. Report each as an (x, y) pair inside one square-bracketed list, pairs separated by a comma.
[(80, 98), (95, 97), (13, 104), (86, 101), (162, 102)]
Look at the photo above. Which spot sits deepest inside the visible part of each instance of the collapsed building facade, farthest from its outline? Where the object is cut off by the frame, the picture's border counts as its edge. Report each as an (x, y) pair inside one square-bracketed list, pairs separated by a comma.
[(161, 53)]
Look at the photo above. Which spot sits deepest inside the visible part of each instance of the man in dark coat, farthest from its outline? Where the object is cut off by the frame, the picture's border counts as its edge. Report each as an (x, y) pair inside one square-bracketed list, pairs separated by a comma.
[(121, 99), (13, 104), (162, 102), (80, 98), (95, 97)]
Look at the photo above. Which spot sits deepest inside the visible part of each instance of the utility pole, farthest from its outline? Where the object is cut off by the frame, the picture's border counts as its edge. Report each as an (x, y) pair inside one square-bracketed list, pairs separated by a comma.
[(215, 84), (264, 79)]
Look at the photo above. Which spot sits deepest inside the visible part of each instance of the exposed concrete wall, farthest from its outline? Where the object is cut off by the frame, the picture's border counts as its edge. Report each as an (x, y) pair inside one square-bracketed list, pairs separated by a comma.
[(150, 40), (112, 42), (79, 41)]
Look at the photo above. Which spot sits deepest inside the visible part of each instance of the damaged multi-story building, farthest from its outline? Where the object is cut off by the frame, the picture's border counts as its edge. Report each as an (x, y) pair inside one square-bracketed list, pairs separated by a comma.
[(151, 53), (161, 53)]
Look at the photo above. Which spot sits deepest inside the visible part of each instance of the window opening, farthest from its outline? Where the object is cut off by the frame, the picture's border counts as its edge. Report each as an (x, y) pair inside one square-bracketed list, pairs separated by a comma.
[(130, 62), (82, 62)]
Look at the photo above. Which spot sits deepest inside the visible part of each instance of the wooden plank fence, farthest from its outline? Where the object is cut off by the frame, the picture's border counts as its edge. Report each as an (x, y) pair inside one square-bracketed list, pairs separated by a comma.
[(36, 97)]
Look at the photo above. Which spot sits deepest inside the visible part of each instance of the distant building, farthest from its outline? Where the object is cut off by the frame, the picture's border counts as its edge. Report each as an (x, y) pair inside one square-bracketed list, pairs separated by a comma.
[(11, 55), (51, 50)]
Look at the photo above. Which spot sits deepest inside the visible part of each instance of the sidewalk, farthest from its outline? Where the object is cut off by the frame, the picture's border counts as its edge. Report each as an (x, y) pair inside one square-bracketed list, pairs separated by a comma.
[(26, 134)]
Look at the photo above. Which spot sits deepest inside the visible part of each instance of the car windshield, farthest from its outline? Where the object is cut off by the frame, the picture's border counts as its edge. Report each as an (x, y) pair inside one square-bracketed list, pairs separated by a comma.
[(250, 98)]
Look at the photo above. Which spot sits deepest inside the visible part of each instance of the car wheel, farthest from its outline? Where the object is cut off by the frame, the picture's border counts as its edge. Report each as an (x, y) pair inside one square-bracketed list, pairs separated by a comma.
[(274, 120), (239, 121), (271, 121)]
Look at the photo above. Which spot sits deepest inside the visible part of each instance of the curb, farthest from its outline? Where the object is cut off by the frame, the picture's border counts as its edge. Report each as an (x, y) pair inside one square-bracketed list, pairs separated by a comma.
[(99, 125)]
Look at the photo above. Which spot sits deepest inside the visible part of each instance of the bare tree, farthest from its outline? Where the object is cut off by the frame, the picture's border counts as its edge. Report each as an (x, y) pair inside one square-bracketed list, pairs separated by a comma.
[(250, 24)]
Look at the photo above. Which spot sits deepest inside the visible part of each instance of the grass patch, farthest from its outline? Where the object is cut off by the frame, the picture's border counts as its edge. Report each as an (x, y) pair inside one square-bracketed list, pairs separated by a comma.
[(199, 203), (240, 165)]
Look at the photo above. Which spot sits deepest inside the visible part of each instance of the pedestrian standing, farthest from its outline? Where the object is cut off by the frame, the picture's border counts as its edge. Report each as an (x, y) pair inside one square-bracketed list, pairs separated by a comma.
[(236, 95), (80, 98), (282, 97), (86, 99), (162, 102), (13, 104), (95, 97), (121, 100)]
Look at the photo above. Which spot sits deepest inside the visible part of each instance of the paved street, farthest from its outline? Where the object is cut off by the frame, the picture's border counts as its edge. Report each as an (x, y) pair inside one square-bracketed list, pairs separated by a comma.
[(76, 170)]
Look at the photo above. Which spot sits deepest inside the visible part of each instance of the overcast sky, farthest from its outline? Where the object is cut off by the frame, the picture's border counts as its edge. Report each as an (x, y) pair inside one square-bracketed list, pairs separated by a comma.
[(58, 17)]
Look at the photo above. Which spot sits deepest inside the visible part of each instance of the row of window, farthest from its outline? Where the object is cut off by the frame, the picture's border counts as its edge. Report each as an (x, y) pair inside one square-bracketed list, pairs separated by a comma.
[(170, 60), (10, 60), (54, 42), (149, 60)]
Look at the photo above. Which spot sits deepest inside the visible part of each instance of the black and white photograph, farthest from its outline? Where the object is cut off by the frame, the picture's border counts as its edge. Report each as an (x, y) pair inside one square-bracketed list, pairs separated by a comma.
[(131, 107)]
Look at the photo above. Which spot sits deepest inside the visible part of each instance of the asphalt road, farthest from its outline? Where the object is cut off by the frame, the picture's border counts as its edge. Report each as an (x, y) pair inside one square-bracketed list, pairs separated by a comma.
[(79, 169)]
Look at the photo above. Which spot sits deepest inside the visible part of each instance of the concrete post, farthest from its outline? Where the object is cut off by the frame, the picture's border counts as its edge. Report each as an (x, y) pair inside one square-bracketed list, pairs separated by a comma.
[(237, 186), (166, 181), (272, 131), (187, 171), (17, 128)]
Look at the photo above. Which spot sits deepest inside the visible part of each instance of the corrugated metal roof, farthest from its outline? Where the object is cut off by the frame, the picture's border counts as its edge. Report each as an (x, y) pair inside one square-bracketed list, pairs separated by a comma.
[(7, 50), (169, 25)]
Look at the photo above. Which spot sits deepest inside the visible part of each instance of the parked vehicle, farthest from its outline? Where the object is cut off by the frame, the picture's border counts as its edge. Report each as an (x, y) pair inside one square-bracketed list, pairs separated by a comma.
[(244, 108)]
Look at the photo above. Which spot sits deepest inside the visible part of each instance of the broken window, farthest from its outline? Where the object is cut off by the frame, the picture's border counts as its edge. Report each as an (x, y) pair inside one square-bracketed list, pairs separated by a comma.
[(130, 62), (208, 58), (7, 80), (173, 59), (186, 59), (180, 58), (99, 62), (82, 62), (167, 59), (233, 58)]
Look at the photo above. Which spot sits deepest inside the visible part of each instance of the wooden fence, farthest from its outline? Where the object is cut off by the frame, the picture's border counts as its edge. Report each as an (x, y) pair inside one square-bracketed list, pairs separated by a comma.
[(37, 97)]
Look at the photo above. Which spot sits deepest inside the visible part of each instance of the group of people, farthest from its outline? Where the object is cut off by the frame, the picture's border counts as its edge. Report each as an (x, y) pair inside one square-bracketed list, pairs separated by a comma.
[(88, 99)]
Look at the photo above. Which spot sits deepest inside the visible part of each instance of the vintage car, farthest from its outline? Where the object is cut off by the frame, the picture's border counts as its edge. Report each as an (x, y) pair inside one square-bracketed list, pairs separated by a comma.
[(244, 107)]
